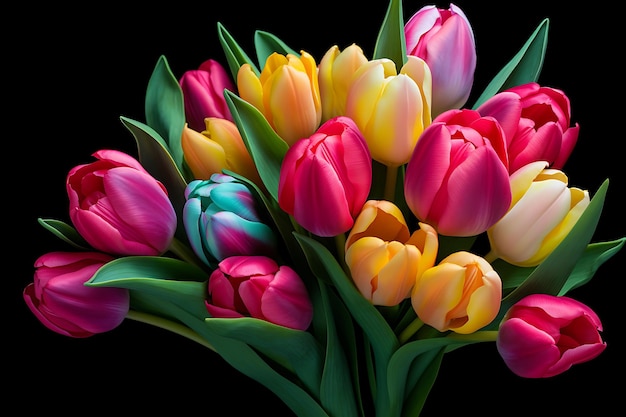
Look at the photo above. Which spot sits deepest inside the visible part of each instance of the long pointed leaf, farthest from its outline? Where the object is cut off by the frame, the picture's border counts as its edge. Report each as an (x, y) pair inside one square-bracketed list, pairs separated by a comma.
[(391, 42), (65, 232), (235, 55), (266, 44)]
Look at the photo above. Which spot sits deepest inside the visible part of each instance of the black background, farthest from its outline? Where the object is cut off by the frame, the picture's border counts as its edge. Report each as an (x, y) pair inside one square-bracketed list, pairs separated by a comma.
[(74, 70)]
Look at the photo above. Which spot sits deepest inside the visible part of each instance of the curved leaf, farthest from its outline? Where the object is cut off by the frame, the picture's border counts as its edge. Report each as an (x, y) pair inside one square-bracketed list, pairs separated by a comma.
[(523, 68), (265, 44), (65, 232), (156, 159), (391, 42), (265, 146), (235, 55), (165, 111)]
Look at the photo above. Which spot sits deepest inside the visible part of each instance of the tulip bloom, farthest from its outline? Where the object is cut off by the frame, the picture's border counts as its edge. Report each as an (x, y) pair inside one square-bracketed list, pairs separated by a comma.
[(118, 207), (219, 146), (536, 122), (61, 301), (457, 179), (543, 335), (221, 220), (287, 93), (445, 40), (462, 293), (255, 286), (336, 71), (329, 172), (391, 109), (203, 93), (542, 213), (383, 258)]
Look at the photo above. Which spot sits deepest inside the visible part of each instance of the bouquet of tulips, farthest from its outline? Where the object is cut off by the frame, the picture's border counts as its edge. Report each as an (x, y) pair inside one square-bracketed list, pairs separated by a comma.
[(333, 226)]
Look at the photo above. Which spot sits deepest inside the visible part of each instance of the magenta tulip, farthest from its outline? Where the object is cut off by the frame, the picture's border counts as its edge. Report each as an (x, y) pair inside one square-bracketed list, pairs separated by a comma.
[(118, 207), (256, 286), (61, 301), (203, 93), (457, 179), (328, 172), (445, 40), (542, 336), (536, 123)]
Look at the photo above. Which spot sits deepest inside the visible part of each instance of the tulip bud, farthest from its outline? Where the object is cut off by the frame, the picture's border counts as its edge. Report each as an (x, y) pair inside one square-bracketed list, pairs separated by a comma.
[(203, 93), (536, 123), (462, 293), (221, 220), (543, 335), (542, 213), (118, 207), (61, 301), (457, 179), (391, 109), (445, 40), (219, 146), (286, 93), (255, 286), (328, 172), (336, 71), (383, 258)]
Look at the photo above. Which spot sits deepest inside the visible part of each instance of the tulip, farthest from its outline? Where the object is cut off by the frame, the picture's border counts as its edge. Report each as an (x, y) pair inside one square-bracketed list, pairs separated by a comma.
[(219, 146), (445, 40), (336, 70), (60, 300), (536, 122), (543, 211), (256, 286), (328, 172), (203, 93), (286, 93), (118, 207), (384, 259), (457, 179), (543, 335), (221, 219), (391, 109), (462, 293)]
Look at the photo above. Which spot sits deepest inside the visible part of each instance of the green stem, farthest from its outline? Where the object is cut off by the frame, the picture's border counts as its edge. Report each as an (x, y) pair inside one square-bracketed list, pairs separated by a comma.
[(185, 253), (410, 330), (168, 325), (491, 256), (390, 183), (480, 336)]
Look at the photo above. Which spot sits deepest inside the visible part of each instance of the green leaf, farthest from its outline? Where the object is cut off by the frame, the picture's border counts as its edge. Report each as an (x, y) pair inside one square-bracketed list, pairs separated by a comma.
[(391, 42), (65, 232), (266, 44), (523, 68), (156, 159), (265, 146), (165, 111), (235, 55), (550, 276), (295, 350)]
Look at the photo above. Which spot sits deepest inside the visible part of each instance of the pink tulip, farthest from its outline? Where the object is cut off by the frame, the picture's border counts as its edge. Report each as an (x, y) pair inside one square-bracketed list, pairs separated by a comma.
[(536, 122), (203, 93), (543, 335), (445, 40), (118, 207), (457, 178), (328, 172), (61, 301), (256, 286)]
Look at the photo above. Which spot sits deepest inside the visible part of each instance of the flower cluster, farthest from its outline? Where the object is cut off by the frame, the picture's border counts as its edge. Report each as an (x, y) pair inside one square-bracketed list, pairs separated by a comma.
[(322, 221)]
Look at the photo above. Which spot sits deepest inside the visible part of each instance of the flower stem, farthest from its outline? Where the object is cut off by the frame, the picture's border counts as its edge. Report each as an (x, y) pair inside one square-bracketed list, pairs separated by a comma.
[(390, 183), (168, 325), (480, 336), (410, 330), (185, 253), (491, 256)]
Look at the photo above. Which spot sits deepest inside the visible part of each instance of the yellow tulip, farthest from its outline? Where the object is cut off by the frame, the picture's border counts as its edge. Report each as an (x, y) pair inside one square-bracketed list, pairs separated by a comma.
[(218, 147), (391, 109), (286, 93), (462, 293)]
